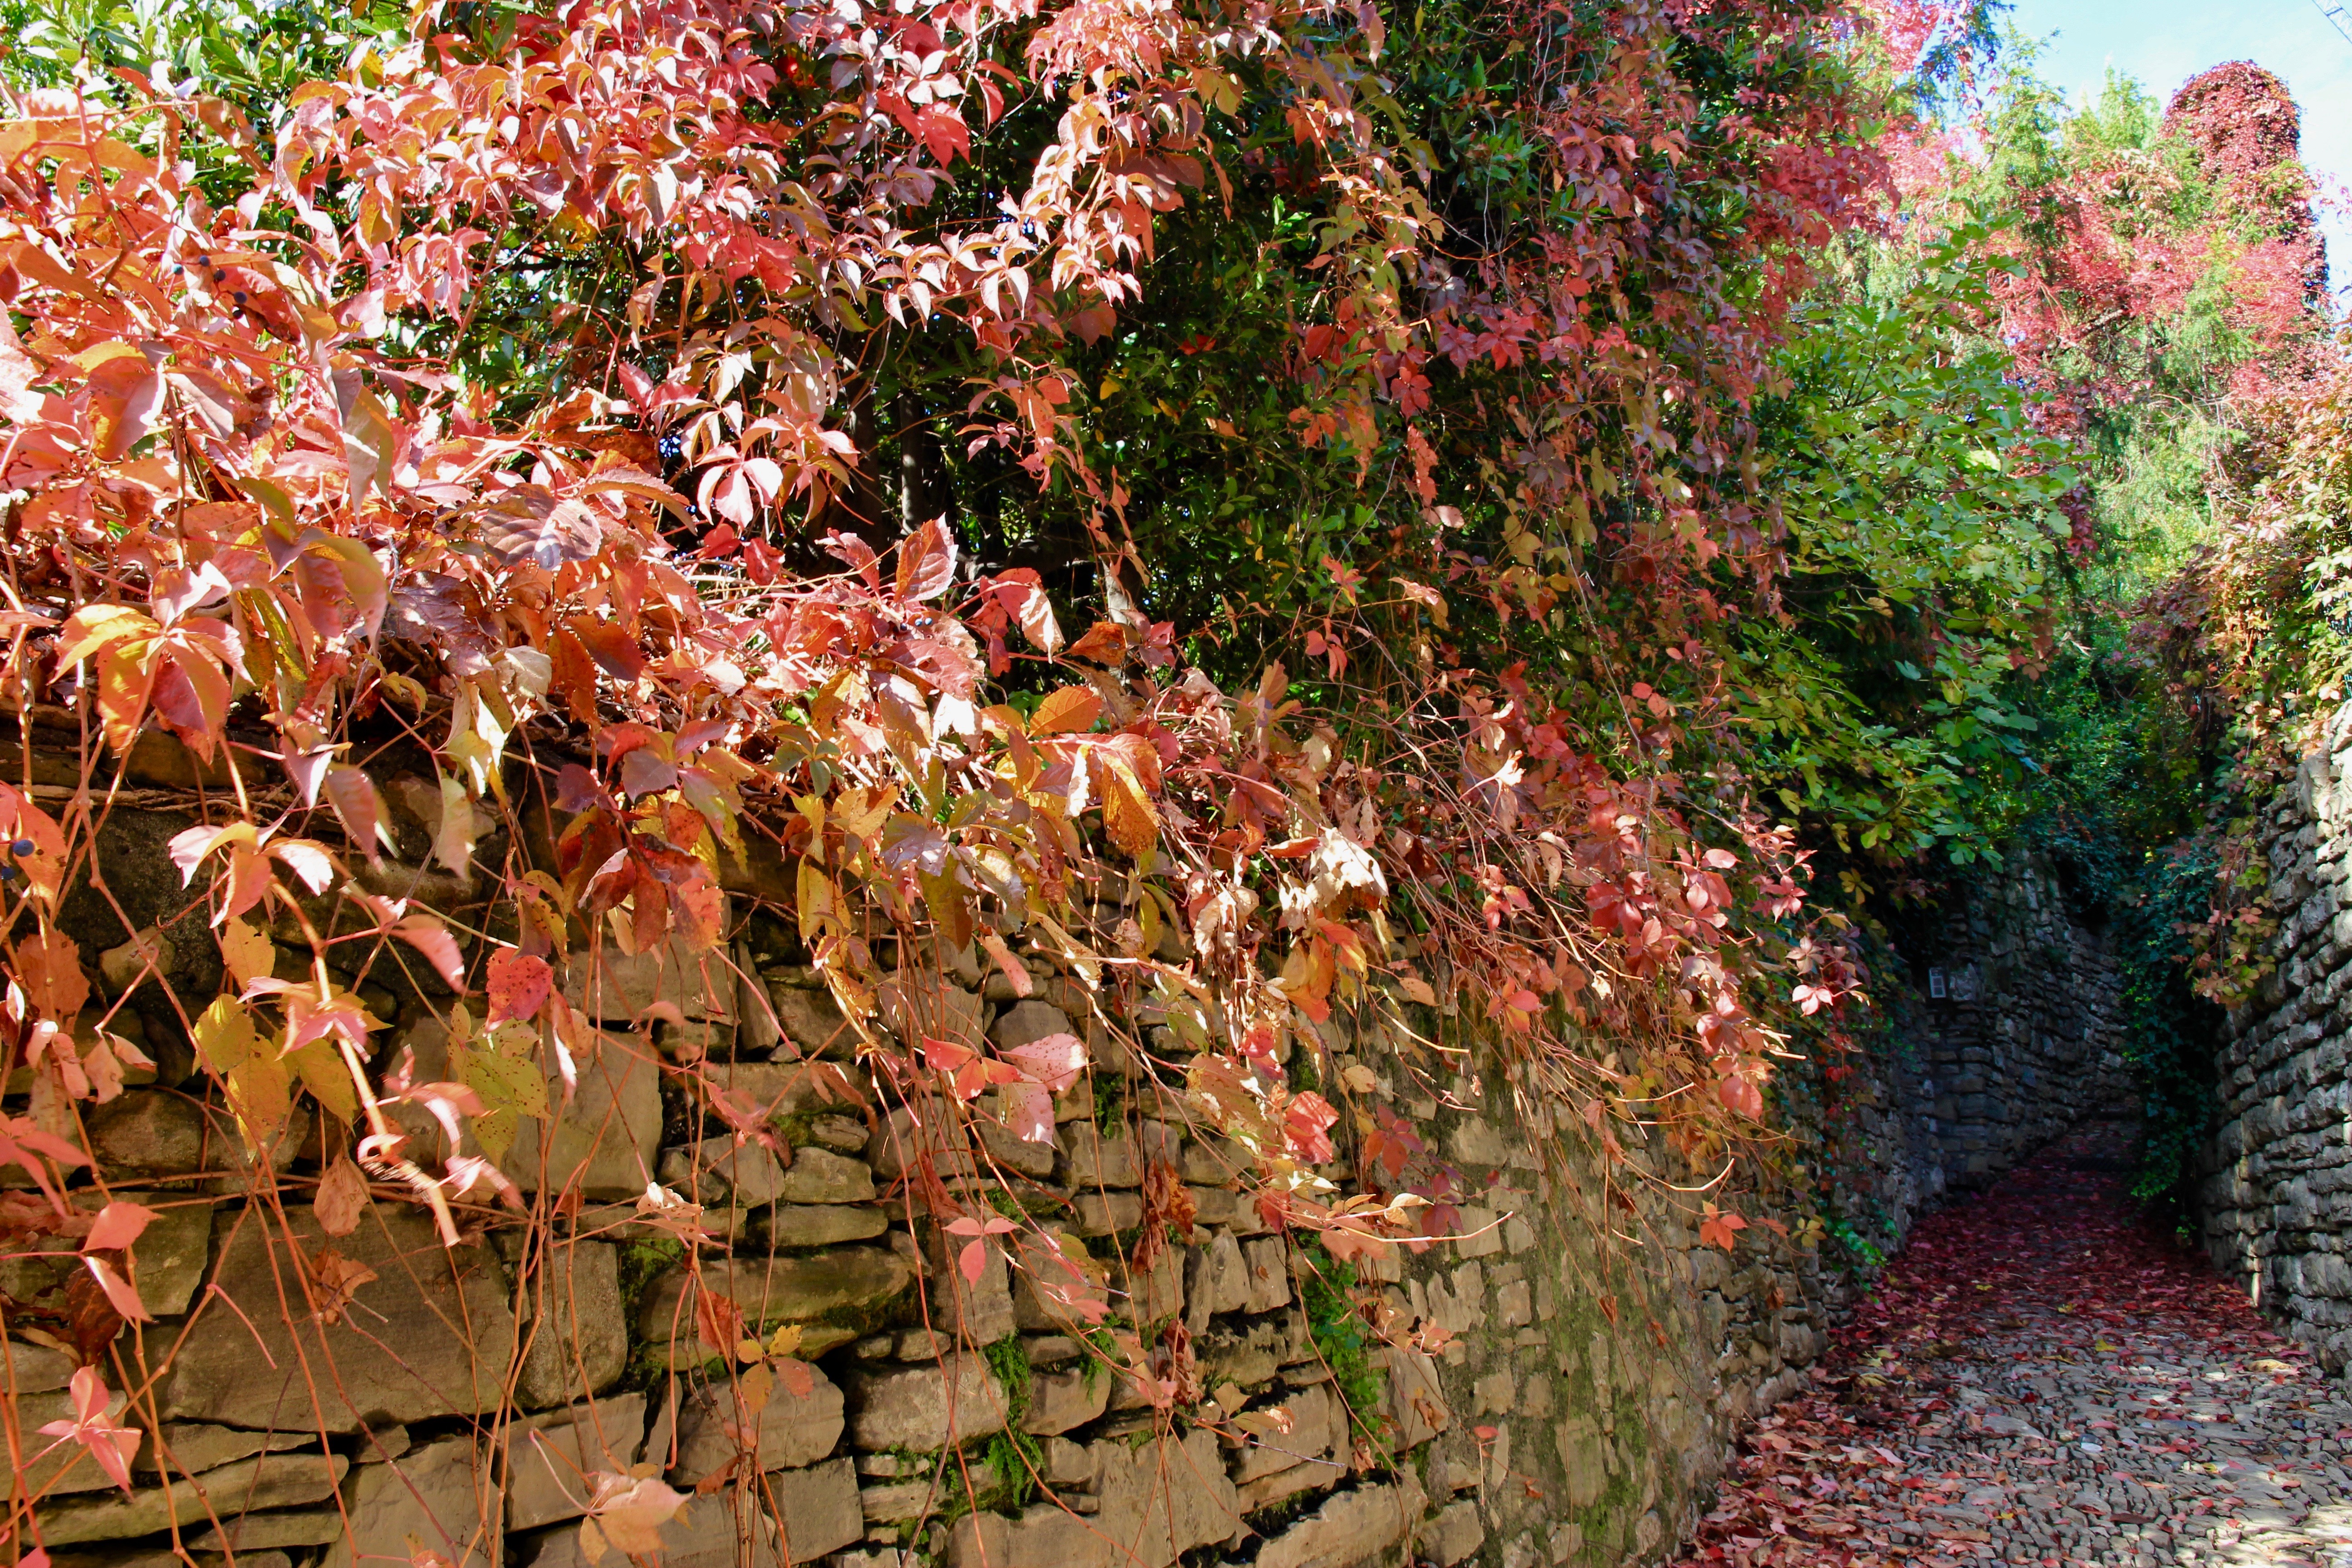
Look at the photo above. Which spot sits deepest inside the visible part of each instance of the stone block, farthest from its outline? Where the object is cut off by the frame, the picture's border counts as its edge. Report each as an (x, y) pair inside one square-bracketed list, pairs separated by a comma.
[(1315, 1426), (1416, 1406), (783, 1089), (719, 1167), (924, 1408), (1096, 1160), (1155, 1503), (758, 1030), (919, 1006), (704, 1534), (1059, 1400), (578, 1336), (795, 1289), (975, 1312), (442, 1495), (1269, 1275), (169, 1258), (612, 986), (816, 1509), (444, 1308), (603, 1142), (1026, 1023), (249, 1535), (58, 1468), (35, 1369), (1106, 1214), (189, 1448), (1156, 1292), (811, 1022), (1217, 1281), (820, 1177), (820, 1225), (790, 1429), (1354, 1527), (550, 1457), (1455, 1534), (264, 1481), (160, 1133), (905, 1142)]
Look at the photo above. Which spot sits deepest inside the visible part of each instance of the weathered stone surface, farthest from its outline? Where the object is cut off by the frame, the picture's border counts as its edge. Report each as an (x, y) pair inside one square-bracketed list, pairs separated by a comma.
[(167, 1260), (264, 1481), (579, 1333), (59, 1469), (1026, 1023), (919, 1006), (925, 1407), (1455, 1534), (1217, 1281), (703, 1535), (976, 1313), (1059, 1400), (604, 1143), (446, 1309), (1314, 1427), (788, 1088), (189, 1448), (1156, 1502), (1416, 1400), (1353, 1526), (792, 1430), (820, 1225), (706, 1171), (903, 1141), (937, 1489), (442, 1494), (1096, 1160), (549, 1457), (820, 1177), (35, 1369), (757, 1031), (811, 1022), (816, 1509), (159, 1132), (612, 986), (795, 1289), (1106, 1214), (1269, 1274), (252, 1532)]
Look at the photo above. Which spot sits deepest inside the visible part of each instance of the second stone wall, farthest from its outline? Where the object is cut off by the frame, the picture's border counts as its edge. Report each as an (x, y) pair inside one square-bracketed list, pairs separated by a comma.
[(2276, 1199)]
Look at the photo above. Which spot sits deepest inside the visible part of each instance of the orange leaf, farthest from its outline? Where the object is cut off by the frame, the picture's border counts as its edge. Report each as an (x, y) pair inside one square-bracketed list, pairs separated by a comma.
[(1072, 709)]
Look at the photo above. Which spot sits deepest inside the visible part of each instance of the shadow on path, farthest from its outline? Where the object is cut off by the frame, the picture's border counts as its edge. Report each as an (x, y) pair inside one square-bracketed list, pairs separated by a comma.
[(2043, 1378)]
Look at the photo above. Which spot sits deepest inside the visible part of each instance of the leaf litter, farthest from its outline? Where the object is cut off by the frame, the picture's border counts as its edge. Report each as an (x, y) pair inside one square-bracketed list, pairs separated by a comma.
[(2046, 1376)]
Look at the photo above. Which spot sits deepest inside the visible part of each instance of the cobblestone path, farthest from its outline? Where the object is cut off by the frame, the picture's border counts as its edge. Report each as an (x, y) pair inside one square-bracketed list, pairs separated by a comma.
[(2041, 1378)]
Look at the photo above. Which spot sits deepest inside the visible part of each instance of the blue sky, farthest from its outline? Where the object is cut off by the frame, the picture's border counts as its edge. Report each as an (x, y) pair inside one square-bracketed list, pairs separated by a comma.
[(2165, 42)]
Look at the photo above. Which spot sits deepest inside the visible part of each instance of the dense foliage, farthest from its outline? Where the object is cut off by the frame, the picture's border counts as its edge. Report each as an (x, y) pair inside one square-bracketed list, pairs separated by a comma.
[(1281, 506)]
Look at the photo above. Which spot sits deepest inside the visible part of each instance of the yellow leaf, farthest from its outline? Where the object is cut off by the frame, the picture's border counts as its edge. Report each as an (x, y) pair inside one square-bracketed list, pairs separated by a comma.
[(1133, 826), (860, 812), (504, 1072), (320, 1068), (224, 1037), (248, 953), (819, 905)]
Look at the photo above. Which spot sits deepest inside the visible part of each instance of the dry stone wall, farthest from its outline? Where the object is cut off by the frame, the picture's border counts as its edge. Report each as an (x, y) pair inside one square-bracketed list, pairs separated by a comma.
[(2276, 1199), (744, 1262), (2007, 1033)]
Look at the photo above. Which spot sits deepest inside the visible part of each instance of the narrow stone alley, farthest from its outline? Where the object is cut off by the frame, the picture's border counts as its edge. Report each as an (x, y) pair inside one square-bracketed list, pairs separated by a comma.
[(2044, 1378)]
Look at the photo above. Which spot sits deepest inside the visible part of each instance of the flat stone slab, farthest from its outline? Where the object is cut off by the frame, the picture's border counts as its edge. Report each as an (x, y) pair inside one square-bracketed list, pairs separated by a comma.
[(431, 1334)]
